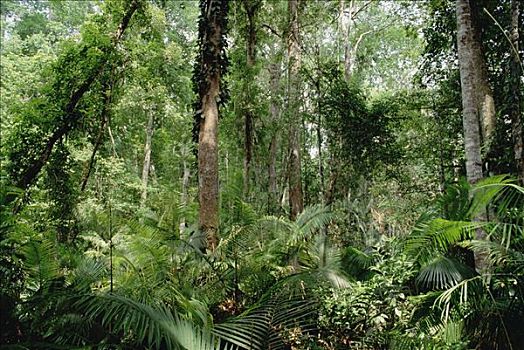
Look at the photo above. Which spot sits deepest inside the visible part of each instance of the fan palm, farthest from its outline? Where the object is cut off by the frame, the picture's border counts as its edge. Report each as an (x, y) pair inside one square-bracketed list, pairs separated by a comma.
[(493, 300)]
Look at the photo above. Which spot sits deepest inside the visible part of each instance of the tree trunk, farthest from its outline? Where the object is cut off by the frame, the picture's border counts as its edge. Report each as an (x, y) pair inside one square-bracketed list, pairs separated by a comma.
[(348, 52), (346, 27), (251, 8), (147, 158), (185, 186), (484, 94), (319, 136), (274, 73), (29, 175), (516, 93), (469, 76), (211, 65), (296, 198)]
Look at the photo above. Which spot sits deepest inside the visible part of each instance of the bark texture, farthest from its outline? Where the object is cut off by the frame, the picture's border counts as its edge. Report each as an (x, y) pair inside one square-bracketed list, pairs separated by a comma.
[(469, 76), (483, 91), (210, 66), (296, 197), (274, 72)]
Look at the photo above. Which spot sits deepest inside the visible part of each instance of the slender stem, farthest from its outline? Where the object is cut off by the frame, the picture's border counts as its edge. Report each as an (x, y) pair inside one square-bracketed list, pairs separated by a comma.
[(110, 251)]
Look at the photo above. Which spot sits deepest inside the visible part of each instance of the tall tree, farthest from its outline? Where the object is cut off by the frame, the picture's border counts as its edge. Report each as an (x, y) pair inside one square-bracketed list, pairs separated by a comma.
[(251, 7), (147, 156), (483, 91), (296, 197), (274, 109), (469, 57), (346, 26), (210, 67), (515, 94)]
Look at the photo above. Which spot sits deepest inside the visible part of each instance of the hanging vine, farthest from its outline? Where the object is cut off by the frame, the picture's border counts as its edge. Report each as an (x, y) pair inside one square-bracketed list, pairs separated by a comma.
[(212, 58)]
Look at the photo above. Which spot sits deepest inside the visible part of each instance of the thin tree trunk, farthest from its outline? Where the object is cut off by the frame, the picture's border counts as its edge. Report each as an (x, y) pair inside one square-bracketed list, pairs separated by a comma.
[(469, 77), (211, 35), (329, 196), (348, 25), (147, 157), (185, 186), (251, 8), (296, 197), (516, 93), (319, 139), (350, 50), (274, 72), (185, 183)]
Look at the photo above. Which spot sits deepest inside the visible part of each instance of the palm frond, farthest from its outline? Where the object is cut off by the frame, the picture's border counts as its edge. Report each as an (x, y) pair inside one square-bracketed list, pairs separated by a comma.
[(313, 218), (327, 262), (40, 263), (436, 236), (267, 325), (442, 272), (156, 327), (500, 189), (469, 290), (356, 258), (499, 255), (87, 272)]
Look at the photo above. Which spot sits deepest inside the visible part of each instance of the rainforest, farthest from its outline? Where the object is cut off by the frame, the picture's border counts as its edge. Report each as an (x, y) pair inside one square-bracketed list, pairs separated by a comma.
[(261, 174)]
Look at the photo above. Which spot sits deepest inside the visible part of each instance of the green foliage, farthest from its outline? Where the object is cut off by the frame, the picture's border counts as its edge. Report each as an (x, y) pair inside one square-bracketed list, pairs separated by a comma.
[(367, 314), (97, 267), (359, 132)]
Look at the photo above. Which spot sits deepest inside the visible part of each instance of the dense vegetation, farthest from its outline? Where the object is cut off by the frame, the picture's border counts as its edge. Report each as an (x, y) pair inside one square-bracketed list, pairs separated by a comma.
[(258, 174)]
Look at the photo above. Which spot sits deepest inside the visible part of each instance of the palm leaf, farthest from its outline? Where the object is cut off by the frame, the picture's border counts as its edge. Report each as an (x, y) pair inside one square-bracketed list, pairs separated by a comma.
[(157, 327), (499, 255), (40, 263), (266, 325), (312, 219), (496, 189), (437, 236), (442, 272)]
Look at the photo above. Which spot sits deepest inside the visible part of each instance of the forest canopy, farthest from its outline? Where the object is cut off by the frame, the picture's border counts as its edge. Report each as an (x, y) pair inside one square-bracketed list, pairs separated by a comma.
[(261, 174)]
